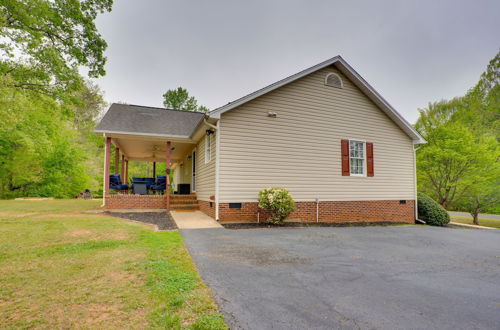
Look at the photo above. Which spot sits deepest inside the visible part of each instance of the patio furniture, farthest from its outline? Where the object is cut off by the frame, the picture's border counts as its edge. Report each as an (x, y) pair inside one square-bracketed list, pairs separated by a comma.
[(183, 188), (115, 182), (161, 183), (140, 187), (149, 181)]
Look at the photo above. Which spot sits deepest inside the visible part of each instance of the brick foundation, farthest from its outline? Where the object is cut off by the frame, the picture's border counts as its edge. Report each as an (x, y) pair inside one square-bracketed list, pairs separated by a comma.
[(329, 211), (123, 202), (205, 208)]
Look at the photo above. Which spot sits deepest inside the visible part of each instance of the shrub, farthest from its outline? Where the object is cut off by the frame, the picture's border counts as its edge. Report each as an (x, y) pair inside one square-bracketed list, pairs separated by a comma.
[(431, 212), (277, 202)]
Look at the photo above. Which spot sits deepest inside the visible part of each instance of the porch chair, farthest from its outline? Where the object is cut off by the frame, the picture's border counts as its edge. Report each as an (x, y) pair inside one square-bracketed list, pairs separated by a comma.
[(115, 182), (161, 183)]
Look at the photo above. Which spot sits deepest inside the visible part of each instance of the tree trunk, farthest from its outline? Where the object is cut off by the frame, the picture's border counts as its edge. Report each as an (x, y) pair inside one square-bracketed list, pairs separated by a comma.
[(475, 216)]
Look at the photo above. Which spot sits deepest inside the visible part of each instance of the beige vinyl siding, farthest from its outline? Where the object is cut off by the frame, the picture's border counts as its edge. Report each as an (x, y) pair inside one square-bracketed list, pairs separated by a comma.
[(205, 173), (176, 177), (300, 149), (186, 169)]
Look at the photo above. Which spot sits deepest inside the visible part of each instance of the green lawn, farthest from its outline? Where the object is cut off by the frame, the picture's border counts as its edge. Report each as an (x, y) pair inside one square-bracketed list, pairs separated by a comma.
[(63, 268), (48, 206), (482, 222)]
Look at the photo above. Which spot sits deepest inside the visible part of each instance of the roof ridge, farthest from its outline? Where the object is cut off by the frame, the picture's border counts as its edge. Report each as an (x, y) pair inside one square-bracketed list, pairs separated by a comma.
[(156, 108)]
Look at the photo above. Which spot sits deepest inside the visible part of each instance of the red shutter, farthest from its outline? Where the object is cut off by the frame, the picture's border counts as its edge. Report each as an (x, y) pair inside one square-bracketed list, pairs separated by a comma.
[(345, 157), (369, 158)]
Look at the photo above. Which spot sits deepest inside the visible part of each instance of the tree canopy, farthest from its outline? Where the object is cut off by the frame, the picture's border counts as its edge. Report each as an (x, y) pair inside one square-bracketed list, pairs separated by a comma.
[(43, 43), (460, 165), (181, 100)]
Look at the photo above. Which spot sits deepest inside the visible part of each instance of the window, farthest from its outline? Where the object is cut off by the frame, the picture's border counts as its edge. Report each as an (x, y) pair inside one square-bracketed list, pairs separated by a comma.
[(208, 149), (235, 205), (333, 80), (357, 157)]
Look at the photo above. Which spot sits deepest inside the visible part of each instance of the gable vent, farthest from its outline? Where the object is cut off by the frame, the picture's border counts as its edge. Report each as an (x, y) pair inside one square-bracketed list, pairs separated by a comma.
[(333, 80)]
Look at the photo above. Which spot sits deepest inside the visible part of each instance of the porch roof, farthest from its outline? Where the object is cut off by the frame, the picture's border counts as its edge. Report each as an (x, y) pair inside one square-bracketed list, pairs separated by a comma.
[(141, 133), (148, 121)]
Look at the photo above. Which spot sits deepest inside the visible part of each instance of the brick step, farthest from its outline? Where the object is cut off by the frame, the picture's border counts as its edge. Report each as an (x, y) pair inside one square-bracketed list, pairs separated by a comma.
[(183, 201), (185, 207), (182, 197)]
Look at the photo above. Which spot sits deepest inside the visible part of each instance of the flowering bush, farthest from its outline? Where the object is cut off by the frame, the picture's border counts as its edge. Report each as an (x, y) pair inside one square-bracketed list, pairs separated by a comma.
[(277, 202)]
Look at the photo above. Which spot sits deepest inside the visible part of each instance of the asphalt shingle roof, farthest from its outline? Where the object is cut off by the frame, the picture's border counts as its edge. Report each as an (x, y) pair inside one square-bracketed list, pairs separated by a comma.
[(135, 119)]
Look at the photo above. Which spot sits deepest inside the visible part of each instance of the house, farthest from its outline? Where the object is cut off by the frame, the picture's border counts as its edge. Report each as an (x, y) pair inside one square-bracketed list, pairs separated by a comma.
[(324, 134)]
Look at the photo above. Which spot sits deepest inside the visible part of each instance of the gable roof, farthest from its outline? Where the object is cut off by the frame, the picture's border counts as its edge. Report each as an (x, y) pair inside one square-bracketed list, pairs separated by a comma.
[(149, 121), (350, 73)]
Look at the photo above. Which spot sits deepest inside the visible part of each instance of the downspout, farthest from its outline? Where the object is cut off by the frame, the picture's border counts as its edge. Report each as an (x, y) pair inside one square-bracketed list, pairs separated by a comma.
[(415, 176), (317, 209), (217, 163)]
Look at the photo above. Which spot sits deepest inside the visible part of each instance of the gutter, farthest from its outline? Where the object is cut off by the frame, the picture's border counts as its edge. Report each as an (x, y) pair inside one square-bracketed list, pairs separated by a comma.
[(208, 124)]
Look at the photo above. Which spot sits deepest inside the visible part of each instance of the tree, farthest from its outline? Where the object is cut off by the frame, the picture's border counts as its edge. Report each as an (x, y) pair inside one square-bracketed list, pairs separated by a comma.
[(483, 184), (450, 154), (88, 106), (179, 99), (43, 42)]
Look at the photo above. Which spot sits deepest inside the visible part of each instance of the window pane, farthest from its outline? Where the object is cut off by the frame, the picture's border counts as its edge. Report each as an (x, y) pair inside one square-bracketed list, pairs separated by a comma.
[(356, 149), (353, 167), (353, 148), (356, 166), (360, 149)]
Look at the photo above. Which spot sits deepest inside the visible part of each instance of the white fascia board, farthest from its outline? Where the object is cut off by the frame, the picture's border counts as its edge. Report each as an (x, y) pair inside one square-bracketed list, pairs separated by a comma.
[(143, 134)]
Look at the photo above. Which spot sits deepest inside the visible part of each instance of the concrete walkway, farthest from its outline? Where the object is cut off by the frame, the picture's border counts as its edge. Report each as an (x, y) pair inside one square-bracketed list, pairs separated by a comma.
[(470, 226), (484, 216), (193, 220)]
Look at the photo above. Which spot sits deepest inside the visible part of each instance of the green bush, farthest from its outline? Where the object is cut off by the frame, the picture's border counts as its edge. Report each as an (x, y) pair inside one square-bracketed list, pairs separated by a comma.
[(431, 212), (277, 202)]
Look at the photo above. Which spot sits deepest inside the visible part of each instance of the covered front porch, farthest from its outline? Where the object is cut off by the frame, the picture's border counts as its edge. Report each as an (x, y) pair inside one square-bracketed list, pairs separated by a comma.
[(169, 181), (165, 140)]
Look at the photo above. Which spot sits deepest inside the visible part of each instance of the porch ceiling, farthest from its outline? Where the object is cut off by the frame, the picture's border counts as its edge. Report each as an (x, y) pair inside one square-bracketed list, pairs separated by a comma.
[(151, 149)]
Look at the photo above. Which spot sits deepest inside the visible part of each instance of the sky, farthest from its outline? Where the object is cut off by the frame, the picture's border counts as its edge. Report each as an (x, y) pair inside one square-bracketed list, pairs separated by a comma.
[(411, 52)]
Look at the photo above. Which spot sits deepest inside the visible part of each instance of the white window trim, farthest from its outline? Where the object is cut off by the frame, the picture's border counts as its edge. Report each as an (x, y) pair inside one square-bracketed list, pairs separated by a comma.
[(208, 146), (364, 158), (334, 74)]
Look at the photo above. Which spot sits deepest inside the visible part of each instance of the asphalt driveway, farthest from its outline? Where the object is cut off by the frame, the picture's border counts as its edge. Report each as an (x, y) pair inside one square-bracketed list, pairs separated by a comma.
[(398, 277)]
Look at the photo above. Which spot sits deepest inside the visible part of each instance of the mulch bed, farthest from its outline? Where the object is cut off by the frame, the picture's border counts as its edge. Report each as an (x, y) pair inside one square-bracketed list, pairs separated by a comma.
[(162, 219), (308, 224)]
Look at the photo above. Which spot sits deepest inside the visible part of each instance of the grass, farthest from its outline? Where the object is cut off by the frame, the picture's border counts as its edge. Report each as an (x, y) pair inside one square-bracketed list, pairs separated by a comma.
[(63, 268), (482, 222), (48, 206)]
